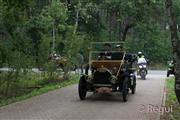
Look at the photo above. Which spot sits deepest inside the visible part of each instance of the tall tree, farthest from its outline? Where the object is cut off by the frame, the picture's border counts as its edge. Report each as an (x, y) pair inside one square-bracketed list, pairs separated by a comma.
[(175, 44)]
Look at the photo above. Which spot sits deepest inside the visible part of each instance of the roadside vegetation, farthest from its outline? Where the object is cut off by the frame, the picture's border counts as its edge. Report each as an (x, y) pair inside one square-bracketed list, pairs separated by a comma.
[(171, 100), (31, 85)]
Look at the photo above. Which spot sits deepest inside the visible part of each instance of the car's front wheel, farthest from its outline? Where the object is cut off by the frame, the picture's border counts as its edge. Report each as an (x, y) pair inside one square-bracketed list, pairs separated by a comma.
[(125, 89), (133, 86)]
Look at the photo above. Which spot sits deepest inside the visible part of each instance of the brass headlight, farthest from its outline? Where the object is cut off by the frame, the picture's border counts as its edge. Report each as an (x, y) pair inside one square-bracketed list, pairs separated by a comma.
[(113, 79)]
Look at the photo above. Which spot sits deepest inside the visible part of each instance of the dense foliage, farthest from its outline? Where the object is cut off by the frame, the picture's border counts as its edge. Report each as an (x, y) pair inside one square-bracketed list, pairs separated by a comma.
[(30, 30)]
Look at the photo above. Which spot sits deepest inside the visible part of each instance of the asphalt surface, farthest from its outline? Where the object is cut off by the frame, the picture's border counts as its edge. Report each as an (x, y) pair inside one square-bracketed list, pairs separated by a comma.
[(64, 104)]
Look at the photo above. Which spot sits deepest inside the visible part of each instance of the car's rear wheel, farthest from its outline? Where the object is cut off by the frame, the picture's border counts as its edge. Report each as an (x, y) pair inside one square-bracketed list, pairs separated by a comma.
[(82, 88), (125, 89), (168, 73)]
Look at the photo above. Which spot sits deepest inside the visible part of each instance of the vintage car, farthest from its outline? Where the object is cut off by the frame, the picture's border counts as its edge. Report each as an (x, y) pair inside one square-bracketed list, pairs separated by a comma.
[(111, 71)]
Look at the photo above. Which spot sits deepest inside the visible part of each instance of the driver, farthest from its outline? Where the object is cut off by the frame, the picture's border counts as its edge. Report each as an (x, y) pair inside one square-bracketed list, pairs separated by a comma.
[(106, 52)]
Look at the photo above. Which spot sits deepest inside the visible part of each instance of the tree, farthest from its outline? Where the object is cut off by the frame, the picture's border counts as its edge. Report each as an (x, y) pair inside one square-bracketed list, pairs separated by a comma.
[(175, 44)]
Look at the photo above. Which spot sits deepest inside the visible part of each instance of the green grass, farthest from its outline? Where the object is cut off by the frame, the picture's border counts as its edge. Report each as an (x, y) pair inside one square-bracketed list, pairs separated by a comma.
[(46, 88), (171, 100)]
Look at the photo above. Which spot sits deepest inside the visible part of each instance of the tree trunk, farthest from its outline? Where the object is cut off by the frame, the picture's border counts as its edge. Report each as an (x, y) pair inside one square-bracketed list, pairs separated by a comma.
[(76, 21), (53, 36), (175, 45), (125, 32), (110, 25)]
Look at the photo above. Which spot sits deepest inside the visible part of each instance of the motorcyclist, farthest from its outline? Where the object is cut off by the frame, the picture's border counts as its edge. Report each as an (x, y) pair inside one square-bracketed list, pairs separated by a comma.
[(170, 68), (141, 60)]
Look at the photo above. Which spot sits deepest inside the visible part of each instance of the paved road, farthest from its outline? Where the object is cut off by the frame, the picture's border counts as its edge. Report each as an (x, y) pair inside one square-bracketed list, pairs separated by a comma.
[(64, 104), (11, 69)]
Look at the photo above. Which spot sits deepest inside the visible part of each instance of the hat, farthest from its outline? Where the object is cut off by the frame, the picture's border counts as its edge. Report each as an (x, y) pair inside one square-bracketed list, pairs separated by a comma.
[(119, 46)]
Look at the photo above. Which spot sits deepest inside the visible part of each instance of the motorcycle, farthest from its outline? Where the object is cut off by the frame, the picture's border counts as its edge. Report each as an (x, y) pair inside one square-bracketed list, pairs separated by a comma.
[(170, 68), (142, 71)]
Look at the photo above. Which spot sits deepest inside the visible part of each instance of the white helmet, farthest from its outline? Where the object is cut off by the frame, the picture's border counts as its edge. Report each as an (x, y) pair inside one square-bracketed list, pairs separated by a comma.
[(139, 53), (55, 55)]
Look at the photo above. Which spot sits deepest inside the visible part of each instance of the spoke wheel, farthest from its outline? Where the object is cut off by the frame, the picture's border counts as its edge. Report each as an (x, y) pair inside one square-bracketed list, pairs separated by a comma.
[(82, 88), (133, 87), (125, 89)]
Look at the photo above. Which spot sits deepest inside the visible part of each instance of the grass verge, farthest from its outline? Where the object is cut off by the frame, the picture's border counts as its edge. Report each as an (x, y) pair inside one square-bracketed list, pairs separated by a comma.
[(171, 100), (49, 87)]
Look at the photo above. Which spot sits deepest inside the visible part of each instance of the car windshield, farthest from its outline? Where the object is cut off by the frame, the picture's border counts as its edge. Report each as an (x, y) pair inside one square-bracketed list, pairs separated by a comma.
[(107, 51)]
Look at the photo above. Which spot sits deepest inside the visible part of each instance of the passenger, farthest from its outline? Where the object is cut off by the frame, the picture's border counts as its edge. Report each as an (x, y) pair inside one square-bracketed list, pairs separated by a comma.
[(118, 54), (119, 48)]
